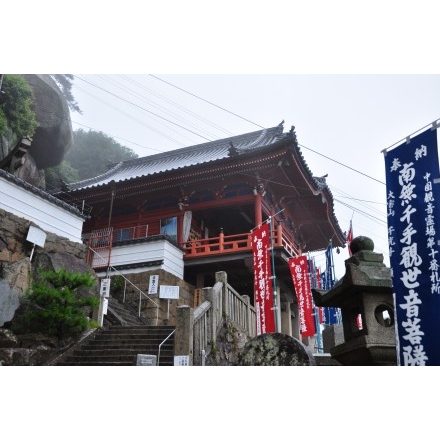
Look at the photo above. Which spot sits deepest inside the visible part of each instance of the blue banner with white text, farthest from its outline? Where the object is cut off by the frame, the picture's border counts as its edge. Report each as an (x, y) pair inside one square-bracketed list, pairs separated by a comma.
[(413, 201), (331, 315)]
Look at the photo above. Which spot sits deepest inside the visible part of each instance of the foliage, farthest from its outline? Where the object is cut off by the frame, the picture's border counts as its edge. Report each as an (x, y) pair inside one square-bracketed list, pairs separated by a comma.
[(56, 306), (64, 82), (118, 283), (16, 111), (63, 172), (89, 156), (93, 151)]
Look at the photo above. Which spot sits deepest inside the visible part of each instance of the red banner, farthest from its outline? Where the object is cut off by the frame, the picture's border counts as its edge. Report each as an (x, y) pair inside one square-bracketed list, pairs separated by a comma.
[(263, 288), (299, 269)]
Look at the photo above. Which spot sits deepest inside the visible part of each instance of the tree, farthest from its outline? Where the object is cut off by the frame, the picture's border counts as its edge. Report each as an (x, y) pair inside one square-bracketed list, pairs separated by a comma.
[(56, 308), (16, 107), (93, 151), (64, 82), (89, 156)]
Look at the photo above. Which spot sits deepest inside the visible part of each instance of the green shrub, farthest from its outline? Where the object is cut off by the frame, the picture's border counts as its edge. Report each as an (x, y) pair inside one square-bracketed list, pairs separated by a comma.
[(56, 308)]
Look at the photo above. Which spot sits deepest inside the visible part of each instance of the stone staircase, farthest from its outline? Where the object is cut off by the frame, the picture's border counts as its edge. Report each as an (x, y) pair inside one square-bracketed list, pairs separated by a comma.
[(122, 314), (119, 345), (121, 339)]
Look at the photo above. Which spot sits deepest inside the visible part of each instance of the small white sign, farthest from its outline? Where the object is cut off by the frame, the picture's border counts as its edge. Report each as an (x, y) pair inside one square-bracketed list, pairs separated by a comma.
[(169, 292), (105, 287), (146, 360), (154, 283), (104, 306), (36, 236), (181, 361)]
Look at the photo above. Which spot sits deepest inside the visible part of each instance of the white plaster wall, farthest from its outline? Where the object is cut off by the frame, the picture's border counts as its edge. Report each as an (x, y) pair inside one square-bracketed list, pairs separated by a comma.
[(144, 252), (45, 214)]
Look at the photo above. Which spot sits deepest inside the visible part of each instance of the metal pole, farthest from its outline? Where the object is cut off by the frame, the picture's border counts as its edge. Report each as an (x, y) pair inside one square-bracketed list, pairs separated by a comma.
[(32, 253)]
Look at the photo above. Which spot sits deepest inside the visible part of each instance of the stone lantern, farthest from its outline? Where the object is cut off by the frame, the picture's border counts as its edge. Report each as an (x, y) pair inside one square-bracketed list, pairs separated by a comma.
[(365, 298)]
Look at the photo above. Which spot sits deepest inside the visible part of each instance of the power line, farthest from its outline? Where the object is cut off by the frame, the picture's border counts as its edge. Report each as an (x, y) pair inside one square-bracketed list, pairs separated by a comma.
[(205, 100), (154, 104), (339, 163), (254, 123), (142, 108), (134, 119), (177, 105)]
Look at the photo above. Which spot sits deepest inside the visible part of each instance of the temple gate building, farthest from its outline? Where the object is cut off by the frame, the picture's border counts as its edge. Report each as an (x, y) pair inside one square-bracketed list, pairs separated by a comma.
[(190, 212)]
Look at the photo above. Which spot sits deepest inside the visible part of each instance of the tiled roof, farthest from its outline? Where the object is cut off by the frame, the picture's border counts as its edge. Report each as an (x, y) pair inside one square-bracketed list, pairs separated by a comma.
[(184, 157)]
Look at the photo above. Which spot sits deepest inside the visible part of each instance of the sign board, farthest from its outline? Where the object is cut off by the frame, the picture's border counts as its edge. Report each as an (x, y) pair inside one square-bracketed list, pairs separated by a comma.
[(146, 360), (104, 306), (105, 287), (181, 361), (169, 292), (154, 283), (36, 236)]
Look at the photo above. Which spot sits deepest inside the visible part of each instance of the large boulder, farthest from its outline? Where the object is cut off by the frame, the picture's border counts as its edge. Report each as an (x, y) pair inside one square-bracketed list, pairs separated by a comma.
[(54, 136), (275, 349), (9, 302)]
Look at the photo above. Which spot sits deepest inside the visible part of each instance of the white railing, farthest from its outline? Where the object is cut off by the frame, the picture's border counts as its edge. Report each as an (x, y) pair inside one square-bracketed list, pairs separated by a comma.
[(239, 310), (221, 301), (160, 346), (202, 331), (142, 295)]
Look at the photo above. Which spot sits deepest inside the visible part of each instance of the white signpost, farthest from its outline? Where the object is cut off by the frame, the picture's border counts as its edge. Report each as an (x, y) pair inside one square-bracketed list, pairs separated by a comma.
[(104, 292), (169, 292), (37, 237), (105, 287), (181, 361), (154, 282)]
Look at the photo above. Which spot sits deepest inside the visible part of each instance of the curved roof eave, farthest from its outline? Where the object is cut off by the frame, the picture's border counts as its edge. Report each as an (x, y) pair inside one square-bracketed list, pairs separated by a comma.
[(183, 158)]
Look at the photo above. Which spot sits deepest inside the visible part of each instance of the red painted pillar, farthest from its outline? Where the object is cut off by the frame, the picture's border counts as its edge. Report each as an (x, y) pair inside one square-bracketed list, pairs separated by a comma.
[(258, 210)]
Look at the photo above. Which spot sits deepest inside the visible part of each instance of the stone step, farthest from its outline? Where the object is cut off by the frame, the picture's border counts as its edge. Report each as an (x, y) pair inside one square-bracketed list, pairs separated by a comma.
[(120, 345), (130, 360), (133, 334), (107, 345), (143, 327), (163, 363), (118, 353), (121, 352)]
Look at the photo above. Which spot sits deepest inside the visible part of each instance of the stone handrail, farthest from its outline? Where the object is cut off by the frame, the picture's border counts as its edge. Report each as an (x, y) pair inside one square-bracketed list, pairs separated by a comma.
[(220, 301)]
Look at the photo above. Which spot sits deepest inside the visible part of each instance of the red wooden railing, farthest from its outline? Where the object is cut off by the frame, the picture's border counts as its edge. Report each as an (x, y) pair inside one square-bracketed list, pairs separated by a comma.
[(223, 244)]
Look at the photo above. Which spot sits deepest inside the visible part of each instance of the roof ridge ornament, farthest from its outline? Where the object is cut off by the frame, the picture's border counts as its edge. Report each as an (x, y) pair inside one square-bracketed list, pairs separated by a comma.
[(232, 150), (321, 181)]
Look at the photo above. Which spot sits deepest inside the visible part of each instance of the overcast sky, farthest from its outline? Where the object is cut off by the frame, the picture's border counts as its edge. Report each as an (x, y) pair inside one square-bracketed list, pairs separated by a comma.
[(342, 122)]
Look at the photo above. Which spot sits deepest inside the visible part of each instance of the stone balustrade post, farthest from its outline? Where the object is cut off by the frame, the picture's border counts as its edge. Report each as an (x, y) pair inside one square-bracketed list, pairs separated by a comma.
[(247, 301), (222, 277), (183, 338), (208, 295)]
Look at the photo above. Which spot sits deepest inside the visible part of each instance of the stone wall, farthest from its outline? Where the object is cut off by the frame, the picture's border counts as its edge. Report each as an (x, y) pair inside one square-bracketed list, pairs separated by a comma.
[(149, 311), (17, 271), (16, 268)]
